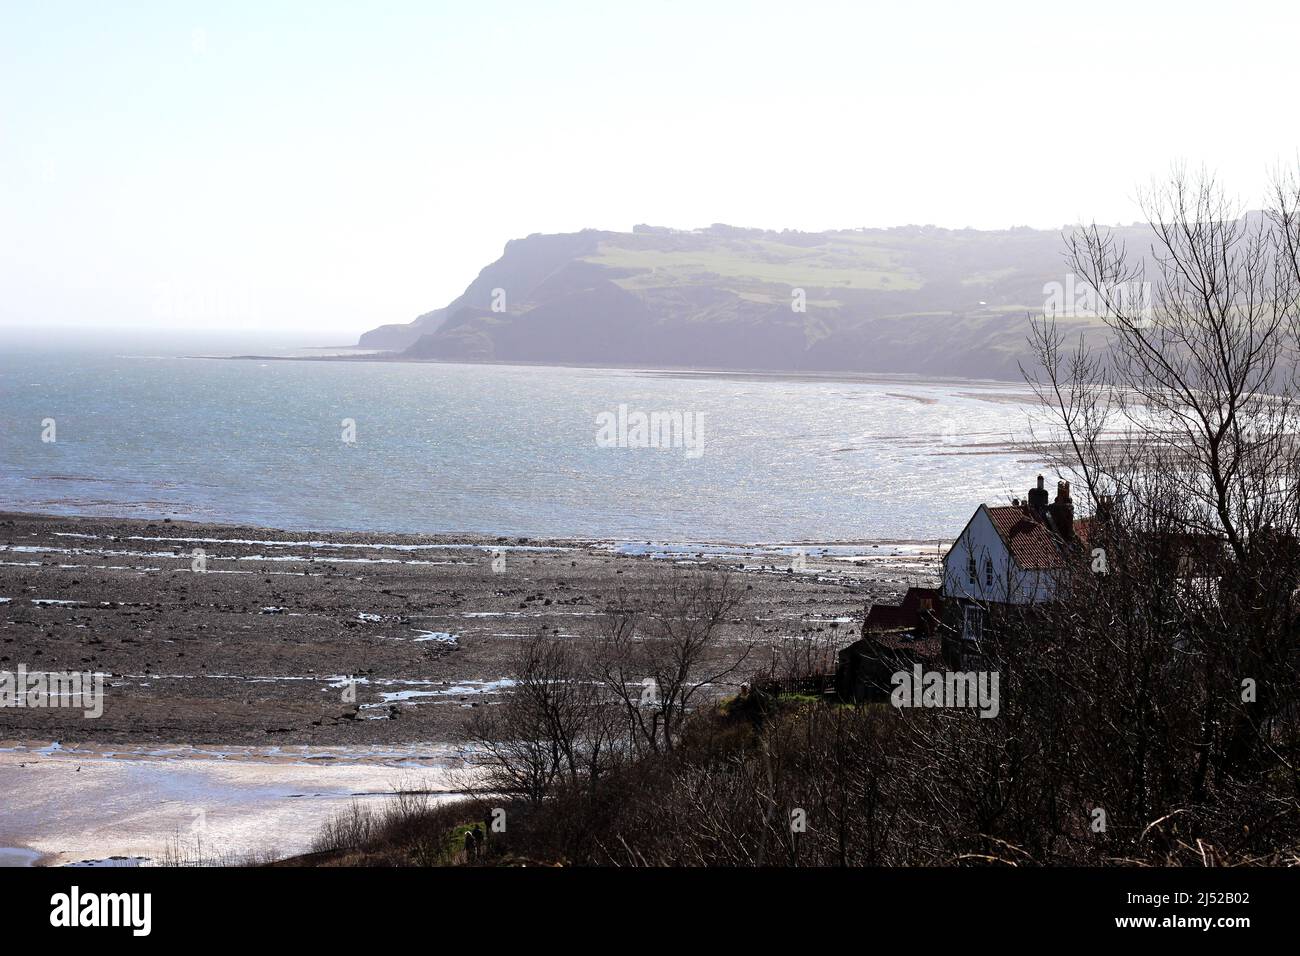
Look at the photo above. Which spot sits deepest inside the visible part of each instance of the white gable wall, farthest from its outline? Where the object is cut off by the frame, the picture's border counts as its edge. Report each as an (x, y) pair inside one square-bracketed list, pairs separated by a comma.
[(1010, 584)]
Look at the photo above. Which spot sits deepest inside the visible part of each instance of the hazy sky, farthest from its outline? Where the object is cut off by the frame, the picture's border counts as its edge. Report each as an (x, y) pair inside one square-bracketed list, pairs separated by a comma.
[(331, 167)]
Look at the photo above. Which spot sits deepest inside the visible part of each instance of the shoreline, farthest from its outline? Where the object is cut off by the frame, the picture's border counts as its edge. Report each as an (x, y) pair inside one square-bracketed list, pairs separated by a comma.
[(488, 539)]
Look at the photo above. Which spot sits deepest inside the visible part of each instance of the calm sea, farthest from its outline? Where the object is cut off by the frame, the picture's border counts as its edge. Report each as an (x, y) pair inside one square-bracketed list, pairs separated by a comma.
[(143, 430)]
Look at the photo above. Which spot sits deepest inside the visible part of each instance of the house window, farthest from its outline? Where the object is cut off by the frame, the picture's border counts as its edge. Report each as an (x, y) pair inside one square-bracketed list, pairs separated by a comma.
[(988, 572), (972, 623), (970, 567)]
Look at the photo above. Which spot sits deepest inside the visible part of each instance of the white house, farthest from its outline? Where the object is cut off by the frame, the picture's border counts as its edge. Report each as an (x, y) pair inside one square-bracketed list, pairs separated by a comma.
[(1010, 554)]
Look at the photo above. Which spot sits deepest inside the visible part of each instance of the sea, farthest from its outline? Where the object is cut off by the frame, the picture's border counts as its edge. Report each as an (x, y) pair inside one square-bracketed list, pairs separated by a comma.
[(148, 425)]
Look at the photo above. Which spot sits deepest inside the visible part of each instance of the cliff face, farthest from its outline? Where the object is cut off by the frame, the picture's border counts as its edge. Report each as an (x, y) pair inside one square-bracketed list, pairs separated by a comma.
[(522, 268), (912, 299)]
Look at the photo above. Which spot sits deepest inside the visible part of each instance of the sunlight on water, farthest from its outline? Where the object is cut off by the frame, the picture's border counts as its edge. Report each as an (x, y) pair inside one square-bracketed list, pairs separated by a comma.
[(497, 449)]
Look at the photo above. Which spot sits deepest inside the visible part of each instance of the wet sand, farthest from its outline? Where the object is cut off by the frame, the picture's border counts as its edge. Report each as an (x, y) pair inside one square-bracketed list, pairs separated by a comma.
[(138, 806)]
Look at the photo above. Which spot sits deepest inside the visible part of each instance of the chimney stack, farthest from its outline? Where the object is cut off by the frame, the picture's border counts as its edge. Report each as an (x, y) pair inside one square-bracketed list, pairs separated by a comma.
[(1038, 499), (1062, 510)]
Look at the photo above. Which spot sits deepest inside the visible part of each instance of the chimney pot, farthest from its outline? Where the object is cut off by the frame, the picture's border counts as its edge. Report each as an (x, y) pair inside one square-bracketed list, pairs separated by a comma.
[(1037, 500), (1062, 511)]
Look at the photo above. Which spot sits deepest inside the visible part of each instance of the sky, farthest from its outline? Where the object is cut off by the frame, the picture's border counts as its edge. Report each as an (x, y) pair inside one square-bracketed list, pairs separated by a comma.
[(325, 168)]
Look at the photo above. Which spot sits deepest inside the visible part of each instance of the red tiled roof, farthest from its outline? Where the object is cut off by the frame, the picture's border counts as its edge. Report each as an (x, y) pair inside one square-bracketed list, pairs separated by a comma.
[(1032, 545)]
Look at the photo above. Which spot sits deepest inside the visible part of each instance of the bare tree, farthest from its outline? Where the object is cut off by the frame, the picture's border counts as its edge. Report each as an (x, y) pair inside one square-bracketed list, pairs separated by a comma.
[(1183, 428), (1199, 373), (656, 661), (553, 725)]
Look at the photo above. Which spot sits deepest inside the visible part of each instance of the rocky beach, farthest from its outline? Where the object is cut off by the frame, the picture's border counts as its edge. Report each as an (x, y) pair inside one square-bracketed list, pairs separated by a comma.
[(334, 664)]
